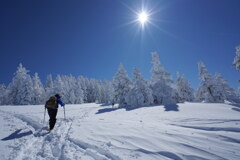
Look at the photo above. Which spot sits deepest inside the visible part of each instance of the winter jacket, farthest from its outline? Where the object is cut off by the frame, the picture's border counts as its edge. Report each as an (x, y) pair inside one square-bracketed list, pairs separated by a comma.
[(59, 101)]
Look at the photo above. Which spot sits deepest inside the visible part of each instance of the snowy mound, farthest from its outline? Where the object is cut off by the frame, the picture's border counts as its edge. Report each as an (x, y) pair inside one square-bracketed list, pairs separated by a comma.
[(96, 132)]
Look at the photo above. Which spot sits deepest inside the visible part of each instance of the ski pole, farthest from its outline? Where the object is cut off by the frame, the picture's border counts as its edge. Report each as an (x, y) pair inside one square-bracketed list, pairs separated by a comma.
[(44, 115), (64, 113)]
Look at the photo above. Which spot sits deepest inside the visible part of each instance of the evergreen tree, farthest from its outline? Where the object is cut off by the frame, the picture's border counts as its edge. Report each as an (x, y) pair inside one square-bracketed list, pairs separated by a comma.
[(203, 91), (121, 85), (158, 71), (229, 93), (97, 85), (82, 84), (38, 90), (49, 91), (208, 91), (102, 92), (58, 87), (3, 91), (21, 87), (91, 94), (183, 90), (160, 83), (72, 91), (49, 82), (69, 84), (140, 94), (108, 92), (236, 61), (79, 92)]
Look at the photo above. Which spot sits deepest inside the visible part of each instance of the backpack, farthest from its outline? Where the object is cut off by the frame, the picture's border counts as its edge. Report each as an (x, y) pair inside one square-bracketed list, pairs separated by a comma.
[(52, 103)]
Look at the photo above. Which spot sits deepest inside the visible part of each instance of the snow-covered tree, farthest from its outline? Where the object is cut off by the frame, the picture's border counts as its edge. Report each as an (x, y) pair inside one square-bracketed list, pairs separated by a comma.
[(21, 87), (78, 92), (140, 94), (91, 94), (82, 84), (49, 91), (183, 90), (108, 92), (3, 92), (205, 77), (203, 72), (69, 85), (209, 90), (38, 90), (236, 61), (72, 91), (49, 82), (58, 87), (102, 93), (97, 85), (160, 83), (229, 93), (121, 85), (158, 71)]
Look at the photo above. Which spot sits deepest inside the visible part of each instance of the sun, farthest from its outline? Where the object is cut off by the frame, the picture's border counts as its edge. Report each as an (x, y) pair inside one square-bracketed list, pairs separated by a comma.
[(143, 18)]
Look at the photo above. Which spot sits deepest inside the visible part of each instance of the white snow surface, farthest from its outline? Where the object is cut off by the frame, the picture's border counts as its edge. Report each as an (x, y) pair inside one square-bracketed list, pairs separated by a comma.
[(187, 131)]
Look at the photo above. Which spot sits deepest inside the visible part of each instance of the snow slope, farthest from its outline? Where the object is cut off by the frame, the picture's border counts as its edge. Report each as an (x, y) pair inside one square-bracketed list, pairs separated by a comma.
[(186, 131)]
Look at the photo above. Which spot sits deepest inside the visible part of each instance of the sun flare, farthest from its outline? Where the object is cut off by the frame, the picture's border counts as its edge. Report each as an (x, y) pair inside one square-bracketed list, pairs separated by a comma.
[(143, 18)]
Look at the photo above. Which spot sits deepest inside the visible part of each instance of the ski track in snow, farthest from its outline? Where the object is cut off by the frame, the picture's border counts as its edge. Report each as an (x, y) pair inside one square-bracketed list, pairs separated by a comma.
[(189, 144), (55, 145)]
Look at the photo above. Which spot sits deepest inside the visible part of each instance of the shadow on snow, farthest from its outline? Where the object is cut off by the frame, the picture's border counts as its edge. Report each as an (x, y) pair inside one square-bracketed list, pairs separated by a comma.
[(17, 134), (104, 104), (236, 107), (170, 107), (104, 110)]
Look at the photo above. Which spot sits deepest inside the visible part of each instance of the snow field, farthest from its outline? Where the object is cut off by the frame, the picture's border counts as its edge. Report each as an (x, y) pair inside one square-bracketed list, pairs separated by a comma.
[(93, 132)]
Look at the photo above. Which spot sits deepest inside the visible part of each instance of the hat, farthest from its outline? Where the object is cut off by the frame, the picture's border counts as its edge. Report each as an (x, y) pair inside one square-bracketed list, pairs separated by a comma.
[(57, 95)]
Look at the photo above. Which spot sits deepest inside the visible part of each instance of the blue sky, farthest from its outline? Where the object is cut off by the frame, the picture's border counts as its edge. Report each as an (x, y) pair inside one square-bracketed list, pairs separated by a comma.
[(91, 37)]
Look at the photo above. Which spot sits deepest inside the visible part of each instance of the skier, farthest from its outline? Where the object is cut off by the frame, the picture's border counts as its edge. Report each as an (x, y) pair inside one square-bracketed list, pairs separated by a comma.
[(52, 107)]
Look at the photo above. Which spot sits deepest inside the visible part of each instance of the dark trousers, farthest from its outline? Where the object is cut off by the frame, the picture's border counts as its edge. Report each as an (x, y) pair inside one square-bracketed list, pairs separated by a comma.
[(52, 114)]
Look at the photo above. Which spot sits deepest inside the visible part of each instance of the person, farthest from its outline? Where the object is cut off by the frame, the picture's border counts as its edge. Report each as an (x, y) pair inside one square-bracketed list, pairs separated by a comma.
[(52, 108)]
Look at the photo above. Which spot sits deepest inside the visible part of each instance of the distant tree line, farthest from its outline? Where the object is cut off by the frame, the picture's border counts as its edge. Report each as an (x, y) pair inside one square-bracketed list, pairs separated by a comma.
[(160, 89)]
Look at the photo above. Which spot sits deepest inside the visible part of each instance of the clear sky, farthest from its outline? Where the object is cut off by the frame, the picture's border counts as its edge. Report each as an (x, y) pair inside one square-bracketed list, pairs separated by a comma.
[(91, 37)]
